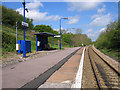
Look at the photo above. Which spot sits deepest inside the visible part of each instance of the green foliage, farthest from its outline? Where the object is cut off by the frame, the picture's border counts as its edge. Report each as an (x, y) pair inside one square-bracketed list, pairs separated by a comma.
[(42, 28), (66, 37), (33, 46), (45, 28), (78, 39), (110, 38), (111, 52), (78, 31), (10, 17), (8, 42), (109, 41), (9, 39)]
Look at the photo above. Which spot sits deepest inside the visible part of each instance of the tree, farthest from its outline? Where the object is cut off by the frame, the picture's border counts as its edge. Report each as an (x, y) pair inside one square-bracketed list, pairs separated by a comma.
[(63, 31), (111, 37), (10, 17), (43, 28), (78, 31), (78, 39)]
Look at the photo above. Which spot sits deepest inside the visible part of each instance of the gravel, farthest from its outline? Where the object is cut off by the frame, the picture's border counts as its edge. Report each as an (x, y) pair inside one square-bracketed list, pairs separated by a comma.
[(88, 80)]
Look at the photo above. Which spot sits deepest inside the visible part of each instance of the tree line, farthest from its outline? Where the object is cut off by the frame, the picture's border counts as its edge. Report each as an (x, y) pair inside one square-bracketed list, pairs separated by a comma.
[(110, 38), (76, 39)]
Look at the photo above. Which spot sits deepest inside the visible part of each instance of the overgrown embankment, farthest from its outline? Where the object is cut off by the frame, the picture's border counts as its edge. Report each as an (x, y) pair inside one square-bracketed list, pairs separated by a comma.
[(8, 42), (9, 39), (109, 40), (9, 19)]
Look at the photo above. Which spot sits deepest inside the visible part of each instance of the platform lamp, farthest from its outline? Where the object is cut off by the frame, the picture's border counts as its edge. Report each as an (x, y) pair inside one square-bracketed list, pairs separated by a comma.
[(60, 32), (70, 35)]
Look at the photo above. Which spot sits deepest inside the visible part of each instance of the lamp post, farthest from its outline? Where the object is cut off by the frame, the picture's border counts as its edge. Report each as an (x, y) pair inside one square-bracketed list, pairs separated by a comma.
[(60, 32), (70, 37)]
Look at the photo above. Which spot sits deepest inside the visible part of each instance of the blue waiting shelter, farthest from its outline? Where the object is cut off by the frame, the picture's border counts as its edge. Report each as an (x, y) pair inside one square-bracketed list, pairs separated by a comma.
[(42, 40)]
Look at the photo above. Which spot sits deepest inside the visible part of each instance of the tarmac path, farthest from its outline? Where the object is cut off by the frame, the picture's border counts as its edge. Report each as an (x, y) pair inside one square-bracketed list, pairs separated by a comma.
[(16, 76)]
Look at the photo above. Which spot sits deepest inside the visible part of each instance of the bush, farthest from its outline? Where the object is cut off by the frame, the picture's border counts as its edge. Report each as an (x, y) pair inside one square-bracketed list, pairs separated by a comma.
[(8, 42), (110, 38)]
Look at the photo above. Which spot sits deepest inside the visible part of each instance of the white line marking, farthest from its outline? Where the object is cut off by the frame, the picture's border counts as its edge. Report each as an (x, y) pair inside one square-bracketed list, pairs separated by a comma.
[(78, 79)]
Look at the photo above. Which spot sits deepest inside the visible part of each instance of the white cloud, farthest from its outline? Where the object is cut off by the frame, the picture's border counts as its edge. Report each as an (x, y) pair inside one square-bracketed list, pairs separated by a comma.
[(89, 30), (90, 33), (62, 0), (56, 17), (35, 14), (86, 0), (34, 5), (101, 9), (73, 20), (101, 20), (101, 30), (58, 30), (94, 35), (95, 16), (83, 6)]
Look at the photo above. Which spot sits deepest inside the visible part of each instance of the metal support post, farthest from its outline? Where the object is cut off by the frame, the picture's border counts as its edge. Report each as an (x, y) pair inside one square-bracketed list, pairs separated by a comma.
[(16, 33), (24, 46), (70, 37), (53, 40), (36, 43), (60, 35)]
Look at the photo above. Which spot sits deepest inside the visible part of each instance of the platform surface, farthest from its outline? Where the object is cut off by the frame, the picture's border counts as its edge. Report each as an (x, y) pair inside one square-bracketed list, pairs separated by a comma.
[(65, 76), (15, 76)]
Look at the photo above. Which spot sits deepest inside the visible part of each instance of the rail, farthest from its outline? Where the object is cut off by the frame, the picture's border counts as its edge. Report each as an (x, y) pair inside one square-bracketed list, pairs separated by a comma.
[(96, 77)]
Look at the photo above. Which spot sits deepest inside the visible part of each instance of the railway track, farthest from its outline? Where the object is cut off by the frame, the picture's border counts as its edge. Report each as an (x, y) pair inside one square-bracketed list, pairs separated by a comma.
[(106, 76)]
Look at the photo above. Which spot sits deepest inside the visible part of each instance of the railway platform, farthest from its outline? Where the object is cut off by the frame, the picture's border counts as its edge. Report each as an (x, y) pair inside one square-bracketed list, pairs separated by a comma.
[(60, 69), (65, 76), (18, 75)]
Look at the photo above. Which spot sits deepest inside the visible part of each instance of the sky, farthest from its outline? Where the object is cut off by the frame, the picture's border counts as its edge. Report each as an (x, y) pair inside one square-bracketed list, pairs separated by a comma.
[(91, 17)]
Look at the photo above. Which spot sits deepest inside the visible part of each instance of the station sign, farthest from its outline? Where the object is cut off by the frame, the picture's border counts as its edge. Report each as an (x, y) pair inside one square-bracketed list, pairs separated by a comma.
[(25, 24), (57, 36)]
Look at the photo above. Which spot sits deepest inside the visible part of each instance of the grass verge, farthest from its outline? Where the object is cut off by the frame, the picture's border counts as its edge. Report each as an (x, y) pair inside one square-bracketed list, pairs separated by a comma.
[(112, 53)]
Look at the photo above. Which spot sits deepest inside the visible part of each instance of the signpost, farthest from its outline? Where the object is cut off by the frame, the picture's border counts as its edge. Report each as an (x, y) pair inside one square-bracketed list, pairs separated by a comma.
[(16, 33), (17, 45), (25, 25), (57, 36)]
